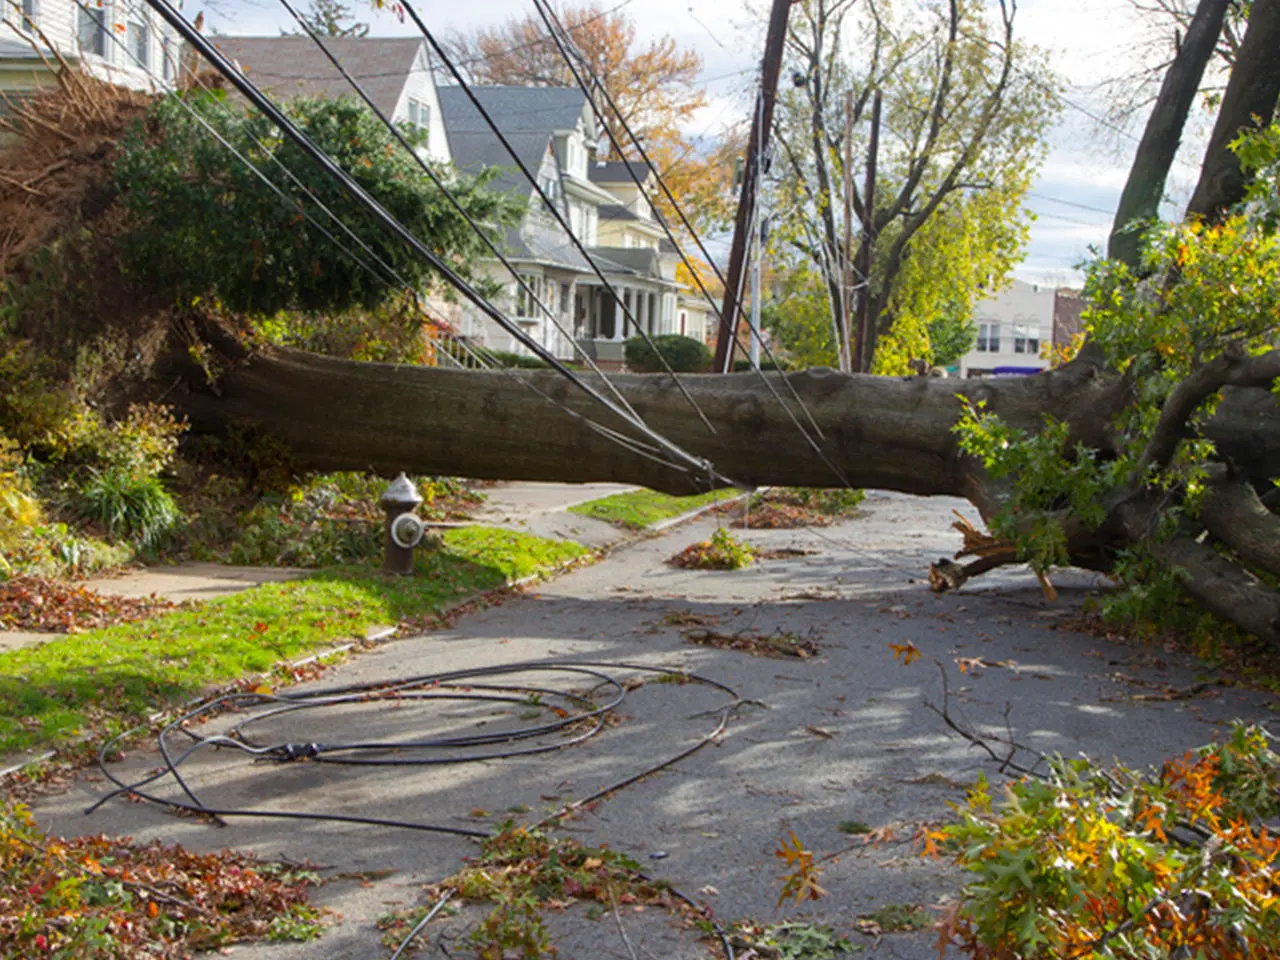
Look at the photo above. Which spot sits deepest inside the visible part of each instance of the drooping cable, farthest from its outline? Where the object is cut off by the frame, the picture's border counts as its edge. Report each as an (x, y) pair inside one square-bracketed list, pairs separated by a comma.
[(557, 31), (453, 201), (629, 443), (251, 92), (628, 317)]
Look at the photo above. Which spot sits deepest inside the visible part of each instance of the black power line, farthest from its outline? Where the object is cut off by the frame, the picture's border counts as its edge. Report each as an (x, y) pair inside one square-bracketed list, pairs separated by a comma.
[(556, 29), (550, 204), (251, 92)]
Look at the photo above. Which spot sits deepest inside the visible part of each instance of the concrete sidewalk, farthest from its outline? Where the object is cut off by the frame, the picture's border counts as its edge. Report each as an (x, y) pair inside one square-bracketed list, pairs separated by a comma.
[(846, 735), (538, 508)]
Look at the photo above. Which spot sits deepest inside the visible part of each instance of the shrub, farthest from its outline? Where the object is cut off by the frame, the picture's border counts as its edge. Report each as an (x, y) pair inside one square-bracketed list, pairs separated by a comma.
[(1092, 862), (128, 504), (19, 511), (683, 354)]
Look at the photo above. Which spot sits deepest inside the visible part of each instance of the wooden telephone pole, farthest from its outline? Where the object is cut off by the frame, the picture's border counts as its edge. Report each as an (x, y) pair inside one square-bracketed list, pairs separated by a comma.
[(863, 343), (761, 125)]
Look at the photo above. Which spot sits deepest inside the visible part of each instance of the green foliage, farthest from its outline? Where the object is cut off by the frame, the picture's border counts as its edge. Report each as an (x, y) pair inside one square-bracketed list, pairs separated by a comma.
[(128, 504), (395, 331), (1084, 862), (791, 941), (504, 358), (683, 354), (799, 319), (1046, 477), (200, 224), (952, 333), (113, 678), (19, 510), (963, 253), (637, 509), (1203, 290), (949, 202)]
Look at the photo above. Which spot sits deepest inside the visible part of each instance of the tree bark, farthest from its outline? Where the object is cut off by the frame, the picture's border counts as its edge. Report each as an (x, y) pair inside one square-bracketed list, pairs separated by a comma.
[(1248, 104), (1163, 134), (881, 432)]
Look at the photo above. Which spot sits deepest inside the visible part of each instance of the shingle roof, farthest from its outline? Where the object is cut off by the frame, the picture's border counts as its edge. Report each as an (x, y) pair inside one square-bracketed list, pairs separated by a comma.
[(291, 67), (618, 171), (514, 109)]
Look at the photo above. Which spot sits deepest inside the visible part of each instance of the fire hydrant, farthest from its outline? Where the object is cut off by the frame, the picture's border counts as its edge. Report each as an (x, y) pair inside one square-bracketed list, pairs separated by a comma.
[(404, 529)]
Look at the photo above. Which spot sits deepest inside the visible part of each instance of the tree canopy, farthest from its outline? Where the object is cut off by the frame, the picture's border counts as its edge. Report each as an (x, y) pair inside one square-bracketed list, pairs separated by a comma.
[(966, 109), (202, 224), (333, 18)]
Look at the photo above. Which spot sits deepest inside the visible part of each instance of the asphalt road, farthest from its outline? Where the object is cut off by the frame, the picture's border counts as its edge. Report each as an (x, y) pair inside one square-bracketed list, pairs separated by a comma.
[(845, 735)]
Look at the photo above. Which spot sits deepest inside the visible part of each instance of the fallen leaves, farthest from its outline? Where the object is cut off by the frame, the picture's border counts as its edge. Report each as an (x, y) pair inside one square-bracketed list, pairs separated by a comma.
[(781, 645), (48, 606), (66, 896), (801, 881)]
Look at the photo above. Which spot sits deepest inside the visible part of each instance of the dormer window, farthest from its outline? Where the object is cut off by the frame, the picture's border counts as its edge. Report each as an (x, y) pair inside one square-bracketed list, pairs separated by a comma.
[(29, 16)]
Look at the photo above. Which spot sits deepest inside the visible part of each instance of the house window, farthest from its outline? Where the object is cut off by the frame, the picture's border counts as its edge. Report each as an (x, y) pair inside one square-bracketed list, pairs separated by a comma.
[(527, 305), (91, 30), (1026, 339), (29, 15), (170, 65), (138, 37), (419, 114), (988, 338)]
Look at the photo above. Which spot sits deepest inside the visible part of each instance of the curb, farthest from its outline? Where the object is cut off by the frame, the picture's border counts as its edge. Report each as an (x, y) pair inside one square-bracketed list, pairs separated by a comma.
[(663, 525)]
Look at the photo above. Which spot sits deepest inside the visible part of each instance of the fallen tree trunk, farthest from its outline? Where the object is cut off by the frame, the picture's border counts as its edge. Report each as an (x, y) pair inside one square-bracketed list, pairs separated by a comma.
[(878, 432)]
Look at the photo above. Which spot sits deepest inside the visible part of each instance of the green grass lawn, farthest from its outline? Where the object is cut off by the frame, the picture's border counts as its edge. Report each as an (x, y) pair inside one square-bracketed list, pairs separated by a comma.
[(104, 681), (642, 508)]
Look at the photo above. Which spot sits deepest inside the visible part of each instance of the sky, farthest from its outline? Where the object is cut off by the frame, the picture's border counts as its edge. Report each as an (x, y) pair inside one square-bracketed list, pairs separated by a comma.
[(1072, 198)]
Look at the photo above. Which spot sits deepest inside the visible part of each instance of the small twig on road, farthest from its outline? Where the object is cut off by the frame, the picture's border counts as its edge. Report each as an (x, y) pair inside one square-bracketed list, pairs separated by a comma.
[(1006, 763), (617, 918)]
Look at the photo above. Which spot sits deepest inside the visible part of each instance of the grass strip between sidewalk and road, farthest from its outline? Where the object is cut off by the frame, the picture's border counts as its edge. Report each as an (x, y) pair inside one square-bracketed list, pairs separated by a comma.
[(638, 509), (103, 681)]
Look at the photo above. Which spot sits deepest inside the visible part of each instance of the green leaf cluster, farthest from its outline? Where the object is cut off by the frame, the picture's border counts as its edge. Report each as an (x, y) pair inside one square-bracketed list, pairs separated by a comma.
[(1085, 862), (200, 223)]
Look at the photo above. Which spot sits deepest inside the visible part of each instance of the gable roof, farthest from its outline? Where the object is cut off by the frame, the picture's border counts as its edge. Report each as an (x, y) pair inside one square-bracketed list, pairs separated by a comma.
[(527, 117), (292, 67)]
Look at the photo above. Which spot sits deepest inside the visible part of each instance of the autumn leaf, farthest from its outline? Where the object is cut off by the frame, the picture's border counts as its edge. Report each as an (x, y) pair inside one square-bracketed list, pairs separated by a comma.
[(908, 652)]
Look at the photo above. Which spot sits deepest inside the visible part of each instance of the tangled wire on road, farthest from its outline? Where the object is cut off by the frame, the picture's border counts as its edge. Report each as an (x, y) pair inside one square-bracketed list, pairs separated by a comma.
[(577, 717)]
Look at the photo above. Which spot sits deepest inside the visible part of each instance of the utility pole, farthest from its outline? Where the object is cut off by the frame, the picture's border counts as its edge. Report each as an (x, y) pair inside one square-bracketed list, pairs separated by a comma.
[(862, 355), (846, 262), (757, 263), (761, 124)]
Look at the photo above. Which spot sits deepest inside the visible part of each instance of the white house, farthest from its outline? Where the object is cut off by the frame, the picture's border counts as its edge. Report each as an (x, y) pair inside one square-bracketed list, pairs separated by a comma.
[(1012, 328), (553, 130), (120, 41), (394, 72)]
